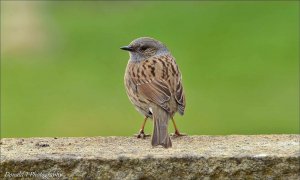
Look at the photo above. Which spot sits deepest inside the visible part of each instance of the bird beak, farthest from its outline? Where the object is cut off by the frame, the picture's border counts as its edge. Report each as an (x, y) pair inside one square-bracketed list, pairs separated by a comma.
[(126, 48)]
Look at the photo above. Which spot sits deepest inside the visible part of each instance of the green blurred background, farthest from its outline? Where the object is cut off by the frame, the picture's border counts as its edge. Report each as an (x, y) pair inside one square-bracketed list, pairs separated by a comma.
[(62, 69)]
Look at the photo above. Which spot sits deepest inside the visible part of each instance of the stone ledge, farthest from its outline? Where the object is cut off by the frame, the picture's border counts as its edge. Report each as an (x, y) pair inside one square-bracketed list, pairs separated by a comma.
[(191, 157)]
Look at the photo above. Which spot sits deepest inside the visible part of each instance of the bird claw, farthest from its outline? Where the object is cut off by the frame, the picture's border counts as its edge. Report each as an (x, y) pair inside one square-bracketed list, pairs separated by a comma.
[(178, 134), (141, 135)]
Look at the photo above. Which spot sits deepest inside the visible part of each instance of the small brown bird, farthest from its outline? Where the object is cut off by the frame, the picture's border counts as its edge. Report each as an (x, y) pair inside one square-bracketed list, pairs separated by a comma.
[(153, 84)]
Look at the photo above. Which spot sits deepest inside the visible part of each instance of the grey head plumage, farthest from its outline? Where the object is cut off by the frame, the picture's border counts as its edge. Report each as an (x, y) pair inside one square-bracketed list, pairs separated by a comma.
[(143, 48)]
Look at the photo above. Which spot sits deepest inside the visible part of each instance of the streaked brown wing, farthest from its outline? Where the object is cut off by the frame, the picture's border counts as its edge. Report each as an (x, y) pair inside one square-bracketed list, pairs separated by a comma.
[(157, 80), (157, 92), (180, 96)]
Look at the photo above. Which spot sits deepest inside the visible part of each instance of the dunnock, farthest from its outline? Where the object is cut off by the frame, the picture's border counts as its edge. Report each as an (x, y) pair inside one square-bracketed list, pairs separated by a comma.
[(153, 84)]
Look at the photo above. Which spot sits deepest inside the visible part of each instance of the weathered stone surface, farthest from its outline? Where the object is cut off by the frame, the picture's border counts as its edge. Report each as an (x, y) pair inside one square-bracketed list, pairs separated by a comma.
[(192, 157)]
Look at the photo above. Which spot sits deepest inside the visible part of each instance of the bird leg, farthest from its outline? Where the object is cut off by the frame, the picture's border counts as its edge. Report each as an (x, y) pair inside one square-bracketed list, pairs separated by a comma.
[(141, 133), (177, 133)]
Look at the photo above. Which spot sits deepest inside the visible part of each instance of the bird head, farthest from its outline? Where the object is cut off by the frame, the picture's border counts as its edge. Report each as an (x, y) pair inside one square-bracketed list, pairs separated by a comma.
[(143, 48)]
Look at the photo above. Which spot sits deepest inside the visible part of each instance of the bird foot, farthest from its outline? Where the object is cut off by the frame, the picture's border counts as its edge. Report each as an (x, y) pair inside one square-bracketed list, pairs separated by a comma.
[(141, 135), (178, 134)]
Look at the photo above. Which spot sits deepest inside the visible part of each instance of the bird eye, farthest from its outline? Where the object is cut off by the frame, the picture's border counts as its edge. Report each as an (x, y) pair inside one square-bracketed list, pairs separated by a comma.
[(143, 48)]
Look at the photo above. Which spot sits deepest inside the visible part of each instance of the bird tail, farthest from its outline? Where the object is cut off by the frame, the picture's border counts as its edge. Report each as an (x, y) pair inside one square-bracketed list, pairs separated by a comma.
[(160, 134)]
